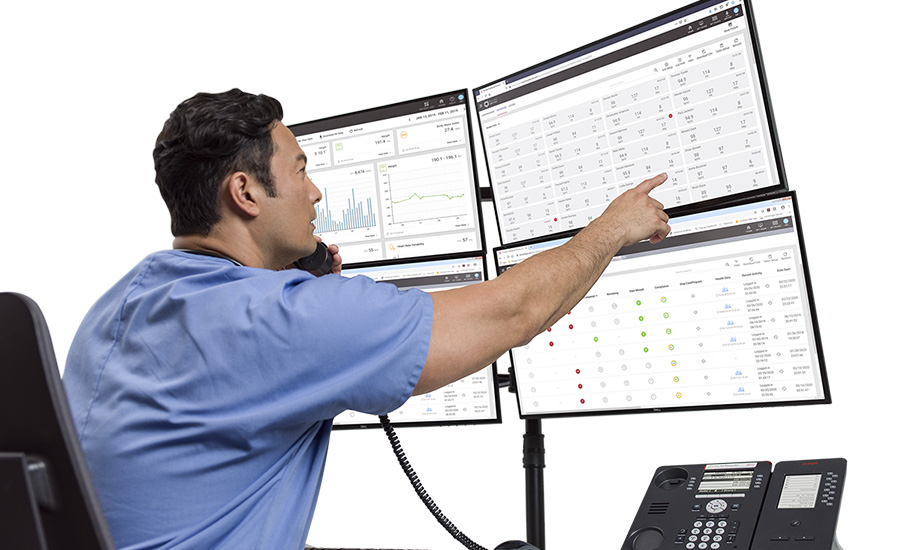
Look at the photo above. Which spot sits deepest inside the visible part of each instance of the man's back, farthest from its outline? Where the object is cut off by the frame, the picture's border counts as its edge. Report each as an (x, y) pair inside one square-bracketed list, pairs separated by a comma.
[(203, 393)]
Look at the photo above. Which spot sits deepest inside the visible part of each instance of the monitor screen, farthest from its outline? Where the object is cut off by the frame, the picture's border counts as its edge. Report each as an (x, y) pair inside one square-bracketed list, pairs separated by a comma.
[(472, 400), (719, 314), (397, 181), (684, 94)]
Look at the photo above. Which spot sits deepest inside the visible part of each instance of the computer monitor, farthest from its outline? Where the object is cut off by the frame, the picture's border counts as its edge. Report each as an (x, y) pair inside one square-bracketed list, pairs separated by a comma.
[(684, 93), (397, 181), (472, 400), (720, 314)]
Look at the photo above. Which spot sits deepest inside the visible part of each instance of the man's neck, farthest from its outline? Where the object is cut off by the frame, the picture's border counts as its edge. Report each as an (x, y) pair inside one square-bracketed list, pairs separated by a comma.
[(209, 243)]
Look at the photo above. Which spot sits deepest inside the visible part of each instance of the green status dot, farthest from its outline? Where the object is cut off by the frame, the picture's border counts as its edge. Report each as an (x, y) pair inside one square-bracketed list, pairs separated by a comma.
[(646, 350), (638, 302), (644, 334), (596, 339)]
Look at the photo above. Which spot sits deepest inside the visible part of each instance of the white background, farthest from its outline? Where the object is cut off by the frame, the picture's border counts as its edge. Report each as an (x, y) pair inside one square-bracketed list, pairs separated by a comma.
[(86, 87)]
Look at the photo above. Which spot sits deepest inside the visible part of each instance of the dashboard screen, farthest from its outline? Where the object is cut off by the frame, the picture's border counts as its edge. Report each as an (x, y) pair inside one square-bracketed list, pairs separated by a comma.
[(471, 400), (719, 314), (683, 94), (397, 181)]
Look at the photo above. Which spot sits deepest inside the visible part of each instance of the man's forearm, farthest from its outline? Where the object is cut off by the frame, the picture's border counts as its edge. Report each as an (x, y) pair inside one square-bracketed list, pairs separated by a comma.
[(563, 276), (474, 325)]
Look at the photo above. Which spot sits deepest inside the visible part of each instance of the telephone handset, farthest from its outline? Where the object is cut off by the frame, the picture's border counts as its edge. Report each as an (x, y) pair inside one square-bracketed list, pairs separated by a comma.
[(741, 506), (318, 263)]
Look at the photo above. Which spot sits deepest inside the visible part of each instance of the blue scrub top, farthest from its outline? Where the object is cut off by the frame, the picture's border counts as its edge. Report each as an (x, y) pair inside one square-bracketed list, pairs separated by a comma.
[(203, 393)]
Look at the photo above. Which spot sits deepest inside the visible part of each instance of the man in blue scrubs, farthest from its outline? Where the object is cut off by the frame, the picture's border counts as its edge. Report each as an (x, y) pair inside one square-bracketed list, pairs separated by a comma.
[(204, 383)]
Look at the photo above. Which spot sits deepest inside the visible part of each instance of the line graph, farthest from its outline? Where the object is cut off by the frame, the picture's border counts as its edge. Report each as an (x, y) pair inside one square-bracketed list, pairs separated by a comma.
[(420, 197), (427, 187)]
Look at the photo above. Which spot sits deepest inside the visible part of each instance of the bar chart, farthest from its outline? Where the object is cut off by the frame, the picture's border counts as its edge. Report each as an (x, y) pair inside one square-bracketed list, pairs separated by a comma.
[(347, 200)]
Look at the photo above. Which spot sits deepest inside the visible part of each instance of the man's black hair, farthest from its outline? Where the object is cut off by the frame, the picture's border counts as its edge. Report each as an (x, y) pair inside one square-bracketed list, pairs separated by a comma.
[(205, 139)]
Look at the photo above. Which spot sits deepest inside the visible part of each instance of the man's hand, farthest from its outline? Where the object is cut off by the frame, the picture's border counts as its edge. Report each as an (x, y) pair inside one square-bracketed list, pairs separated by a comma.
[(335, 257), (634, 216)]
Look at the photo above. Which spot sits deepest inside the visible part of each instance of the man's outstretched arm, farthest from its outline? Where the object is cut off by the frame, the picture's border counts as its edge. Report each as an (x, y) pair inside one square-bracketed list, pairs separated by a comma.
[(476, 324)]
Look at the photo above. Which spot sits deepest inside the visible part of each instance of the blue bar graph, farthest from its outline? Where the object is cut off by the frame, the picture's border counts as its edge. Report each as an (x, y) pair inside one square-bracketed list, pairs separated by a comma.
[(354, 216)]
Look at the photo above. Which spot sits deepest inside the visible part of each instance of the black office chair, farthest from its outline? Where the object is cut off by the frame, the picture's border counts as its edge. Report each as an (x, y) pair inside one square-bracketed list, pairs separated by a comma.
[(47, 498)]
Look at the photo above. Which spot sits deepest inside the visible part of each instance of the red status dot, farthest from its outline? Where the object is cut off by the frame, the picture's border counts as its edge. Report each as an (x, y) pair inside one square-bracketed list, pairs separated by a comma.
[(580, 387), (551, 344), (571, 326), (549, 329), (577, 371), (582, 401), (555, 219), (670, 115)]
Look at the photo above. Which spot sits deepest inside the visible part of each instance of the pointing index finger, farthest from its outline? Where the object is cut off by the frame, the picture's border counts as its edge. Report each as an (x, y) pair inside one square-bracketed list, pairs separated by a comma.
[(648, 185)]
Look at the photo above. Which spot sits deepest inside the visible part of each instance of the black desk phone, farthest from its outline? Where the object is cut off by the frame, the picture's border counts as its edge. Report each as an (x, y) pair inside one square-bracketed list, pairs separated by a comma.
[(741, 506)]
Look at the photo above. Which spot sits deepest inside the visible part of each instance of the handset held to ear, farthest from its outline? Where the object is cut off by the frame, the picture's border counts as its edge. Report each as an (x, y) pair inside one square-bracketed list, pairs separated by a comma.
[(318, 263)]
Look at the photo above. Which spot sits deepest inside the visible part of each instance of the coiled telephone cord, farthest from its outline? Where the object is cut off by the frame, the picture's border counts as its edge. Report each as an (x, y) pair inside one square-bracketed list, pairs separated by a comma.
[(420, 490)]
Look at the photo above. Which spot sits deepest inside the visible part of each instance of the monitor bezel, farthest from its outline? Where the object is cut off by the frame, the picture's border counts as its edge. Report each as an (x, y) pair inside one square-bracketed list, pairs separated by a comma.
[(635, 29), (814, 321), (372, 114), (495, 380)]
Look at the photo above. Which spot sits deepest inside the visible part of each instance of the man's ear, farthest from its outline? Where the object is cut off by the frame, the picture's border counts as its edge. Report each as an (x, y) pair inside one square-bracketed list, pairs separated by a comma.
[(241, 194)]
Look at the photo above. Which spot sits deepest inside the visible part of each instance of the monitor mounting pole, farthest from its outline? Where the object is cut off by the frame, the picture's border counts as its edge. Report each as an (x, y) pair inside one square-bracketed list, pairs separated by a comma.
[(533, 461)]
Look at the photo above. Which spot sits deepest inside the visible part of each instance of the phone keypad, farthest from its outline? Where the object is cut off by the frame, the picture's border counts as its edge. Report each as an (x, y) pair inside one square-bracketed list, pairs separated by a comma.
[(709, 533)]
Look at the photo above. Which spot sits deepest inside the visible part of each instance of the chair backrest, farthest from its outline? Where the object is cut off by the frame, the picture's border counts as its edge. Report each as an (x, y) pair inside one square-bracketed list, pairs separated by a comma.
[(35, 421)]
